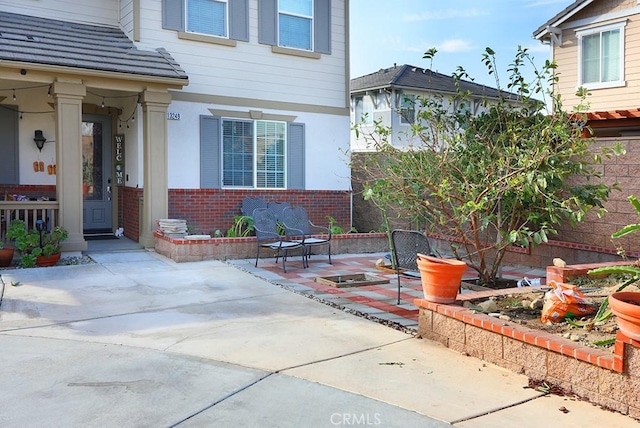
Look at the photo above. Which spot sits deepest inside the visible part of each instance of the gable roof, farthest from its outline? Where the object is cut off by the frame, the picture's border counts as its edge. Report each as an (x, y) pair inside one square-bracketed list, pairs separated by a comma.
[(543, 31), (29, 39), (410, 77)]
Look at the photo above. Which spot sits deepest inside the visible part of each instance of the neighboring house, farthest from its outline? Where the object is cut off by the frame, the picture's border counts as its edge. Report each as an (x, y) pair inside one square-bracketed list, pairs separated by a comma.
[(389, 97), (595, 44), (174, 108)]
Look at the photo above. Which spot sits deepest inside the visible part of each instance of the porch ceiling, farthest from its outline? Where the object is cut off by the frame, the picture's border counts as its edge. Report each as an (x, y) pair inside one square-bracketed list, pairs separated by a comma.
[(67, 47)]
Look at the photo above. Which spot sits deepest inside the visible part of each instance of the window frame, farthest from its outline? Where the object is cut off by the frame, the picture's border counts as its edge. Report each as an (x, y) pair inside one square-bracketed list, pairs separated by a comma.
[(311, 19), (402, 108), (620, 27), (255, 154), (226, 20)]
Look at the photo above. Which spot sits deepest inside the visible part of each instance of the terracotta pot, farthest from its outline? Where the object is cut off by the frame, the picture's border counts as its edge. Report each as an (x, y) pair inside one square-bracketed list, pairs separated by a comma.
[(6, 255), (440, 278), (626, 306), (47, 261)]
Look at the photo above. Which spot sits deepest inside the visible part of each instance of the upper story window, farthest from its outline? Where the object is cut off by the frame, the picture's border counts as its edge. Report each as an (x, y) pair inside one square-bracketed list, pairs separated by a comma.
[(217, 21), (207, 17), (295, 24), (302, 25), (601, 52)]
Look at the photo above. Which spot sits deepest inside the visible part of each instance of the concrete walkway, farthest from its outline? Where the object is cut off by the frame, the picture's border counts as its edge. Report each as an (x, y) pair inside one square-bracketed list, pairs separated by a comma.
[(138, 340)]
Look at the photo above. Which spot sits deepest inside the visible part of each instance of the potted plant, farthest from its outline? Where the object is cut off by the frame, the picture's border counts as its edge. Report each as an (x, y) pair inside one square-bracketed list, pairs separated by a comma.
[(625, 305), (6, 254), (440, 278), (37, 247)]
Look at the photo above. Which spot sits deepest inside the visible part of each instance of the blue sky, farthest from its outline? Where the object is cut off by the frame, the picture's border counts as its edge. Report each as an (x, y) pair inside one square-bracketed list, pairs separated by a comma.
[(384, 32)]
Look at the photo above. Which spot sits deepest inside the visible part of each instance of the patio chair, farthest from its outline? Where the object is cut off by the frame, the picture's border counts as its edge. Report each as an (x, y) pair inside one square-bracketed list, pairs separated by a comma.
[(277, 208), (406, 246), (250, 204), (267, 236), (296, 223)]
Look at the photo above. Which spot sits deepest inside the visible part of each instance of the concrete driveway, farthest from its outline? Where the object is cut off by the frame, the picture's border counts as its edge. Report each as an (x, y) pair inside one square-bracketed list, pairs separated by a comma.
[(137, 340)]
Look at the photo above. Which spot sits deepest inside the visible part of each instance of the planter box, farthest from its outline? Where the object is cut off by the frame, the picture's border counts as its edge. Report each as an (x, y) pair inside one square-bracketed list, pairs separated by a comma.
[(193, 250)]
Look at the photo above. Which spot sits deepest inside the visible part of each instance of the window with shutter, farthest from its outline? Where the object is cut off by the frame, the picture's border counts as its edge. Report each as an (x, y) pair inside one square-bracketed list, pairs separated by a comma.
[(261, 154), (218, 18)]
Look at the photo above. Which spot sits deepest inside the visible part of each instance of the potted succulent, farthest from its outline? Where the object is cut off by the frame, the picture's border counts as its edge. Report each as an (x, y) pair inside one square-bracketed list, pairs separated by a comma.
[(37, 247)]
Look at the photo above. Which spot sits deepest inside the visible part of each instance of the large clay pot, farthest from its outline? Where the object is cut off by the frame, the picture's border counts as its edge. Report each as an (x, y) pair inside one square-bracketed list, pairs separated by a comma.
[(6, 255), (626, 306), (45, 261), (440, 278)]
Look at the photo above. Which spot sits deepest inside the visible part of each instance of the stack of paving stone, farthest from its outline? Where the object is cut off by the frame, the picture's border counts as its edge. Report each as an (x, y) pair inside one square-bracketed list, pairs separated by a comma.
[(173, 228)]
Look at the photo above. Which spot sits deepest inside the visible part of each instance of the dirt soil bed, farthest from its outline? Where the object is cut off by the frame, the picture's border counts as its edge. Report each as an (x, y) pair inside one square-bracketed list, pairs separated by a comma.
[(526, 309)]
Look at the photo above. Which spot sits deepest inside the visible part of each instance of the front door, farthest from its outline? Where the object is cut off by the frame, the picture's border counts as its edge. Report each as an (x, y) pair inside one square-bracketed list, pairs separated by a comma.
[(96, 174)]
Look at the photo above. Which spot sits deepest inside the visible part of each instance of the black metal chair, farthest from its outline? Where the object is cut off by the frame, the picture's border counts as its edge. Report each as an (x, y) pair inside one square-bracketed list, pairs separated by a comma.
[(267, 236), (406, 246), (297, 224), (251, 204), (277, 208)]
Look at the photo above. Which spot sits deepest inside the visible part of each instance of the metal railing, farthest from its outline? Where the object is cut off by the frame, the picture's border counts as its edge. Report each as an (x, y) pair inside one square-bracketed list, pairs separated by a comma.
[(30, 212)]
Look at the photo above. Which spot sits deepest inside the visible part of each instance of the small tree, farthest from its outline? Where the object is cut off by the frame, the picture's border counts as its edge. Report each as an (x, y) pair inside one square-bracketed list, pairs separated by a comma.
[(493, 180)]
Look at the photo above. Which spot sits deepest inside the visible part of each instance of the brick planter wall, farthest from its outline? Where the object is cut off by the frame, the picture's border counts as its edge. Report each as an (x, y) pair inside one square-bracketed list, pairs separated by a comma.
[(606, 379), (208, 210), (188, 250)]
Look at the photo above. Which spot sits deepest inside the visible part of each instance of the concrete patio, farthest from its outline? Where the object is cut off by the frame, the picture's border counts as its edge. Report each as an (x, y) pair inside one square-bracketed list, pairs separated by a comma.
[(139, 340)]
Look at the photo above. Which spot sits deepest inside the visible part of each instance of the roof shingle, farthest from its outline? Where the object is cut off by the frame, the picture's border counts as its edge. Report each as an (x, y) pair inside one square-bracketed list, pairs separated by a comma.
[(31, 39), (410, 77)]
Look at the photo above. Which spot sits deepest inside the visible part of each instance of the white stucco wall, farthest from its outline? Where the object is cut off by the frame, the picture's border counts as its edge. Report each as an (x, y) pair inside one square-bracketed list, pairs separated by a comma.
[(325, 140)]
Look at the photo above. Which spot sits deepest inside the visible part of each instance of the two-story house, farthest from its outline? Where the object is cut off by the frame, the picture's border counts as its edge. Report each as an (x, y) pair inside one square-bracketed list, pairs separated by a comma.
[(391, 97), (388, 97), (122, 112), (595, 44)]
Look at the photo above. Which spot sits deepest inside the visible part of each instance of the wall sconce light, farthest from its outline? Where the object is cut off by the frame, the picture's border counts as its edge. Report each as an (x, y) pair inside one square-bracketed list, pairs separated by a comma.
[(39, 139)]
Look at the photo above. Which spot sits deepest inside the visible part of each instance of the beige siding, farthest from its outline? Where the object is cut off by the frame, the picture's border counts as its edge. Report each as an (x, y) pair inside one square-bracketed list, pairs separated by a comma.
[(127, 18), (250, 70), (105, 12), (566, 56)]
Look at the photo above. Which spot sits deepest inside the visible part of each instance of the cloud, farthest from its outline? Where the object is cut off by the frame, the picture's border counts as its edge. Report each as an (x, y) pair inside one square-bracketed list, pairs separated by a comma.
[(455, 45), (439, 15)]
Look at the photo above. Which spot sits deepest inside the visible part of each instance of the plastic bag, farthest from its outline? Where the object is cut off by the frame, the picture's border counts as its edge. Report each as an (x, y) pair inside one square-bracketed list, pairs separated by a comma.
[(564, 300)]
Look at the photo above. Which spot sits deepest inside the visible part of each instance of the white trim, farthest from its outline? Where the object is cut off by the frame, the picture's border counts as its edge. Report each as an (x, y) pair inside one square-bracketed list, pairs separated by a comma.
[(597, 20), (599, 30), (311, 19)]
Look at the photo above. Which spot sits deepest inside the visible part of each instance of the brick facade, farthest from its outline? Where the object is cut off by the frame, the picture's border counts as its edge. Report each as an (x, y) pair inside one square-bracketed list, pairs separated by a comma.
[(208, 210)]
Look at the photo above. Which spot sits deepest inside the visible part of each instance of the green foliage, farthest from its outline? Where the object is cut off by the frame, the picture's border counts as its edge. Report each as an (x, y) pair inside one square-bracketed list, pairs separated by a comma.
[(242, 226), (30, 244), (506, 176)]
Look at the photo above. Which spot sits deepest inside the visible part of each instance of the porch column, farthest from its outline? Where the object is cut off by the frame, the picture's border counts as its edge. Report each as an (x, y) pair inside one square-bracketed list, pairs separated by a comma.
[(68, 98), (154, 152)]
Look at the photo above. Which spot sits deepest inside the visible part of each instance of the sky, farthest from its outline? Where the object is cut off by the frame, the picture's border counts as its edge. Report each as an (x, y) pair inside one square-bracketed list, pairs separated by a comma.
[(384, 32)]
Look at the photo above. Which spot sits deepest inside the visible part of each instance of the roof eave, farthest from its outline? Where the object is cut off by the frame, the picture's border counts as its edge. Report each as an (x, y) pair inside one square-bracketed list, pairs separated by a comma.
[(170, 82)]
